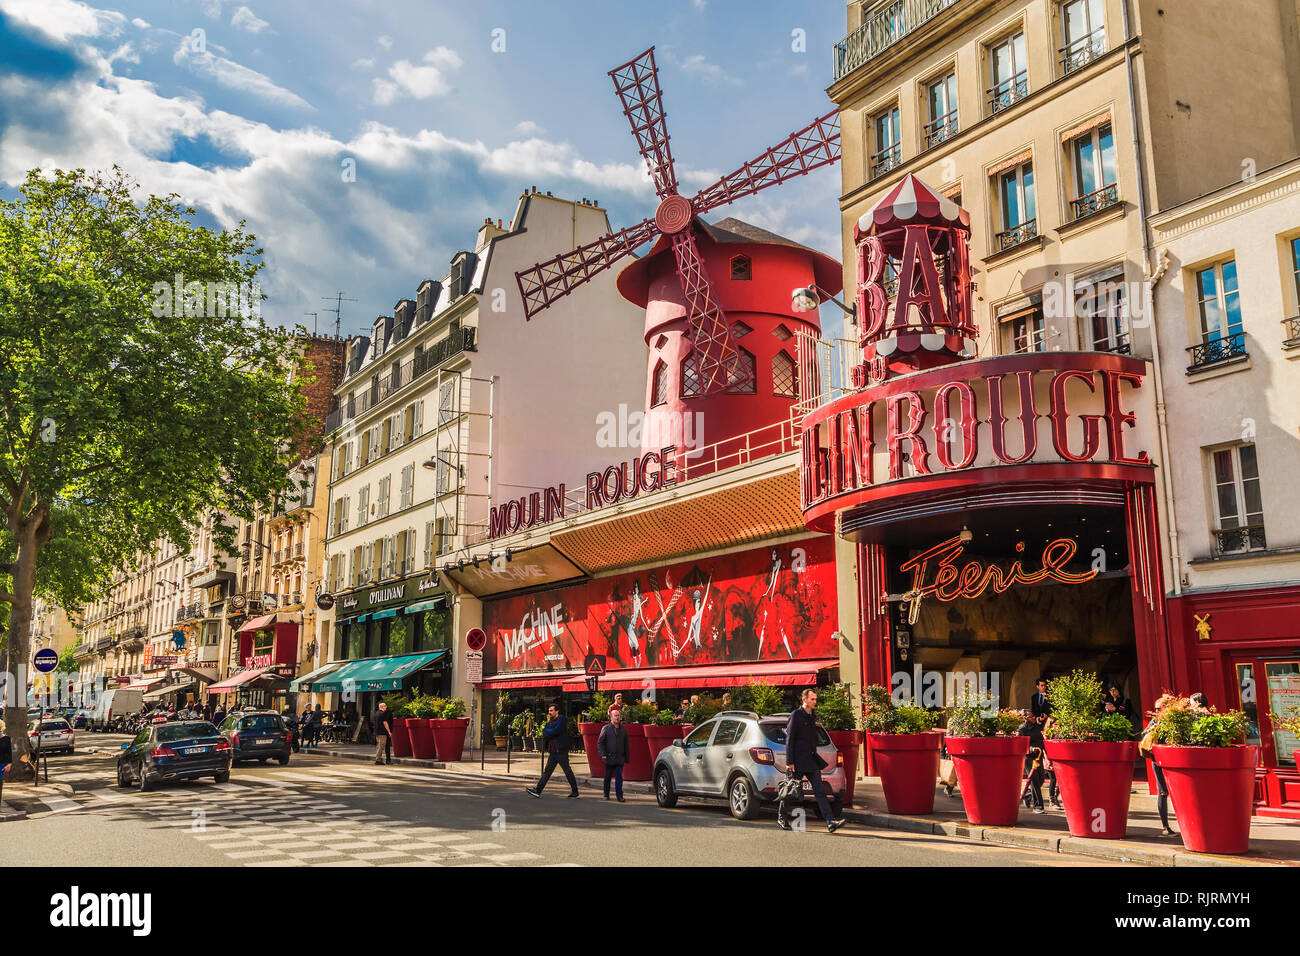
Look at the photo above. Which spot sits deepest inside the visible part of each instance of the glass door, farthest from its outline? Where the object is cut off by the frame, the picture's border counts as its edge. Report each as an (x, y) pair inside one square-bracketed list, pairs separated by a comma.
[(1282, 687)]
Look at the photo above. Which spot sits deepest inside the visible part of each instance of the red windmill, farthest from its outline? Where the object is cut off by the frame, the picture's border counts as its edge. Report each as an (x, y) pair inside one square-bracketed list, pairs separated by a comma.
[(637, 85)]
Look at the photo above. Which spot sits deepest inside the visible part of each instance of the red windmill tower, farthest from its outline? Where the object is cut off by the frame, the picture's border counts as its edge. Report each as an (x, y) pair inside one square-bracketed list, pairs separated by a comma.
[(688, 308)]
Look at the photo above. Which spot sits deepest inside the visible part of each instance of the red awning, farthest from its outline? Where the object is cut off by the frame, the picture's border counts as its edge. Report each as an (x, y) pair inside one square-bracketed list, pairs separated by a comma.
[(512, 682), (234, 682), (709, 675), (257, 623)]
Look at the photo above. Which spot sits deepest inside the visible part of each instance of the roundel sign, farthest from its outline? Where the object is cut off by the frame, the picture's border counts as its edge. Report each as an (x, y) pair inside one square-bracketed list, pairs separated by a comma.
[(476, 639), (45, 660)]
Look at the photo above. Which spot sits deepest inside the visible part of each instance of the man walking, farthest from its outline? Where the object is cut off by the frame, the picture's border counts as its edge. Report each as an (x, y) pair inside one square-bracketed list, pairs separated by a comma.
[(802, 760), (614, 753), (555, 739), (382, 722)]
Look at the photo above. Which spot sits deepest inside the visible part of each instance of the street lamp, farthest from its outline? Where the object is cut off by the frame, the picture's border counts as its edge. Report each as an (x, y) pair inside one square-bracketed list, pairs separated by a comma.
[(809, 298)]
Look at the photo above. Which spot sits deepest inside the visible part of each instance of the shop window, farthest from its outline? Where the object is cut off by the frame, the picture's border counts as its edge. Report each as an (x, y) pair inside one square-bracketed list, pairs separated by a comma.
[(435, 629), (659, 392), (399, 634), (742, 378), (783, 375), (1238, 504), (1283, 694), (741, 268)]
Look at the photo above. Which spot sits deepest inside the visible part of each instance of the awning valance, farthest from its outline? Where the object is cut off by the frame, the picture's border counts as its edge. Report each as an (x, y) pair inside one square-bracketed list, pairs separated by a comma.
[(165, 689), (1085, 127), (524, 681), (305, 682), (1012, 162), (237, 681), (257, 623), (380, 615), (709, 675), (375, 673), (425, 605)]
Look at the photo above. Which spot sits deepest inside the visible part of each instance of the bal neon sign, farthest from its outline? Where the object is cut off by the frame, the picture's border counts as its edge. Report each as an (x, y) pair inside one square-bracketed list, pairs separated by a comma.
[(935, 572)]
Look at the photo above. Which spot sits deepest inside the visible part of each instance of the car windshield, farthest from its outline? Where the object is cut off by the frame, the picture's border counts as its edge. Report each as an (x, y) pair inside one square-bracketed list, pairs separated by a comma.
[(168, 733), (776, 733), (260, 722), (52, 725)]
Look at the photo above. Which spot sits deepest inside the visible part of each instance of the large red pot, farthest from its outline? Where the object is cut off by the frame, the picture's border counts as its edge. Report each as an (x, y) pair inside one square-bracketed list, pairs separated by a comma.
[(590, 736), (1096, 781), (989, 771), (449, 736), (657, 738), (401, 738), (421, 735), (638, 766), (1213, 792), (848, 743), (908, 766)]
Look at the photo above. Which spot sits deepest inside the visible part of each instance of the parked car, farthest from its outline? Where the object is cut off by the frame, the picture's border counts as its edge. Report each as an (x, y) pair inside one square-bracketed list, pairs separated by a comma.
[(51, 735), (174, 751), (81, 720), (257, 735), (740, 757), (117, 703)]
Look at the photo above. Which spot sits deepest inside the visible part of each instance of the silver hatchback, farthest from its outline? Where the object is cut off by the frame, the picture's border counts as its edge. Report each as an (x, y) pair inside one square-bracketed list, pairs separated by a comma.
[(740, 757)]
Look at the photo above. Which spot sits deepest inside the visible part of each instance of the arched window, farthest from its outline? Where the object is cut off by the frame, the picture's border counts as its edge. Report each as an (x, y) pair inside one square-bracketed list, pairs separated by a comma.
[(741, 377), (659, 390), (741, 268), (784, 382), (691, 387)]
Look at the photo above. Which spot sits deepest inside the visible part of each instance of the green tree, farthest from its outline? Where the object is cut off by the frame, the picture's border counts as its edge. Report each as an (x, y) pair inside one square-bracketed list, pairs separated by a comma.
[(66, 663), (132, 397)]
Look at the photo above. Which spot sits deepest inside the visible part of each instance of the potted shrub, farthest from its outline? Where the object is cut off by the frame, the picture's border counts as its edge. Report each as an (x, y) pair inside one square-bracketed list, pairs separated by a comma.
[(593, 719), (660, 732), (989, 757), (1291, 724), (640, 763), (518, 728), (1210, 772), (835, 712), (1093, 753), (450, 725), (400, 708), (420, 709), (906, 750), (500, 729)]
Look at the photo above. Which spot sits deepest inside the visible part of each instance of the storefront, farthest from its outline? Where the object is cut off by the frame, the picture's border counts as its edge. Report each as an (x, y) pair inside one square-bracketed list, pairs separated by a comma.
[(261, 688)]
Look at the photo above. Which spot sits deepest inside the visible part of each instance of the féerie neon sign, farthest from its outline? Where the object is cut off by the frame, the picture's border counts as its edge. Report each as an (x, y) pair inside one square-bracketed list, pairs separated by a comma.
[(935, 572)]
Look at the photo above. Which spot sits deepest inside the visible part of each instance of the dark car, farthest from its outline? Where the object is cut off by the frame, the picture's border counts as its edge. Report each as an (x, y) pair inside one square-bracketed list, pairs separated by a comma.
[(258, 735), (180, 750)]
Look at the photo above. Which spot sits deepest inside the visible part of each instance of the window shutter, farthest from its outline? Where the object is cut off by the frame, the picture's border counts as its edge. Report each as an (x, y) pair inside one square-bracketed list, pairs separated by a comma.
[(418, 426)]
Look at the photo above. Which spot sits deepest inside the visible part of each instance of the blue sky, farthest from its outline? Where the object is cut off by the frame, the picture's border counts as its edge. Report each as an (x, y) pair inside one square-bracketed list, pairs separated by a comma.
[(249, 110)]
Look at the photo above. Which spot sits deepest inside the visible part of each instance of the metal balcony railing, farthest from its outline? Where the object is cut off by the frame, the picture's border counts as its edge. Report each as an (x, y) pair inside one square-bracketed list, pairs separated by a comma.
[(1004, 94), (885, 160), (883, 29), (1095, 201), (1292, 327), (940, 129), (1017, 234), (1216, 351), (1235, 540), (1082, 51)]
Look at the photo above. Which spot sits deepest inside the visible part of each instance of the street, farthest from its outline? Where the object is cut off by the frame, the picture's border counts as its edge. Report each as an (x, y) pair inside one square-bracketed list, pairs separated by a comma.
[(322, 811)]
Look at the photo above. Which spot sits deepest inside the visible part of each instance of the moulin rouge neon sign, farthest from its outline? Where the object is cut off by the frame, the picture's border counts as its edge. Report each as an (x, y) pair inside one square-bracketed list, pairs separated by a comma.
[(935, 572)]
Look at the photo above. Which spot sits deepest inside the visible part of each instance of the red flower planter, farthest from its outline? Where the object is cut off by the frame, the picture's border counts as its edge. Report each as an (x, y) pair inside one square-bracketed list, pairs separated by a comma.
[(449, 736), (421, 734), (657, 738), (908, 766), (849, 743), (590, 735), (1213, 792), (638, 766), (989, 773), (401, 738), (1096, 780)]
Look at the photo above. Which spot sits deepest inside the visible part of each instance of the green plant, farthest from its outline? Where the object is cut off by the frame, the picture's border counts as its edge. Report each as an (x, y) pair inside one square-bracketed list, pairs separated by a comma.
[(500, 724), (883, 716), (835, 707), (519, 726), (453, 708), (703, 709), (638, 713), (596, 713), (1290, 722), (398, 705), (1076, 700), (977, 715), (664, 718), (421, 706), (1182, 724)]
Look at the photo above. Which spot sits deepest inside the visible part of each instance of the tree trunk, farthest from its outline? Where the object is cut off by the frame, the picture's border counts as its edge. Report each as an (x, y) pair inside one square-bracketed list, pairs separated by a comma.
[(18, 650)]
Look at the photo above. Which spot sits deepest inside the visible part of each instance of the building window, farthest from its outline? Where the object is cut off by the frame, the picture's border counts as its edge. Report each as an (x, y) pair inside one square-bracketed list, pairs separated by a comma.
[(1083, 33), (659, 391), (1239, 508), (739, 330), (741, 268), (1017, 206), (1093, 157), (1102, 308), (888, 152), (384, 496), (783, 377), (442, 479), (690, 377), (1218, 306), (1291, 325), (446, 402), (741, 374), (1008, 72), (782, 333), (1024, 331), (363, 506), (408, 485), (941, 101)]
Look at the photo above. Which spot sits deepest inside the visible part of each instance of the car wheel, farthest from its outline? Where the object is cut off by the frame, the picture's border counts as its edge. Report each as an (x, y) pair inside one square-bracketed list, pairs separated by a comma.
[(223, 777), (283, 761), (742, 799), (123, 778), (142, 784), (665, 795)]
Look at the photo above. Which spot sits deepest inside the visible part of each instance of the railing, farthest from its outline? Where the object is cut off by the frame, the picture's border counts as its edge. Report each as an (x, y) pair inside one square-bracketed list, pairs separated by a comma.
[(297, 550), (1095, 201), (883, 29), (461, 339), (1016, 235), (1246, 538), (1082, 51), (1223, 348), (885, 160), (1007, 92), (941, 129), (1292, 326)]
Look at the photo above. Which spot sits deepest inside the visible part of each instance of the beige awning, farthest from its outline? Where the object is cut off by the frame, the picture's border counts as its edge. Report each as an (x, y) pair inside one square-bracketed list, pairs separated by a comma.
[(1012, 162), (1086, 127)]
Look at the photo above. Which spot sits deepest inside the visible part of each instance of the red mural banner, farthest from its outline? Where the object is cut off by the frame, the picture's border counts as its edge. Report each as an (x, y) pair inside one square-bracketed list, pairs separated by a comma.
[(773, 603)]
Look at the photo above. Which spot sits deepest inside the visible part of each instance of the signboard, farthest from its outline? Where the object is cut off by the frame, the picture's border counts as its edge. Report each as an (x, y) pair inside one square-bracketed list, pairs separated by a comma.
[(325, 601), (525, 569), (474, 667), (476, 639), (164, 660), (594, 665), (45, 660)]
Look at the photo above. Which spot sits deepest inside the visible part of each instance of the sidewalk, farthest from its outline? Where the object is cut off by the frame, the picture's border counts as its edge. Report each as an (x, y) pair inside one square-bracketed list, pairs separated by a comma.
[(1273, 842)]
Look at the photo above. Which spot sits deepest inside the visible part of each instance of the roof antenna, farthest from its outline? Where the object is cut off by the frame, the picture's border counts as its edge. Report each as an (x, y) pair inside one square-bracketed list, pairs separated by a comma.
[(337, 310)]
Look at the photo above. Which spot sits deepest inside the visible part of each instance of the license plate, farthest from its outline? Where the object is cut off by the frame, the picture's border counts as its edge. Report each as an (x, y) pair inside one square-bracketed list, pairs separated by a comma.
[(266, 740), (196, 750)]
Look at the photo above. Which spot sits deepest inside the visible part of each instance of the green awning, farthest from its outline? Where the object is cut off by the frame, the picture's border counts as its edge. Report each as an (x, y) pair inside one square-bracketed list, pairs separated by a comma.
[(375, 673), (425, 605), (304, 683), (380, 615), (359, 619)]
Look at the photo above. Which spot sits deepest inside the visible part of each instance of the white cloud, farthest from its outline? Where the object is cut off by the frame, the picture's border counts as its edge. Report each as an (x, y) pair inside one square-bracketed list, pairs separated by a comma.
[(64, 19), (385, 41), (365, 63), (528, 128), (246, 20), (141, 24), (234, 76), (418, 81), (710, 73)]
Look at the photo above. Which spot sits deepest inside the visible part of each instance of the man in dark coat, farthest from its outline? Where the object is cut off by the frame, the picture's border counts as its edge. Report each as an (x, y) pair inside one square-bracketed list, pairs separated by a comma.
[(555, 739), (802, 760), (1039, 708), (381, 722), (614, 753)]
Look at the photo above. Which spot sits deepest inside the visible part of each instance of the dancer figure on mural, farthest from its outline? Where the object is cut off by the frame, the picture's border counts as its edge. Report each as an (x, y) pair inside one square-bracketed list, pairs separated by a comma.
[(636, 621), (776, 611)]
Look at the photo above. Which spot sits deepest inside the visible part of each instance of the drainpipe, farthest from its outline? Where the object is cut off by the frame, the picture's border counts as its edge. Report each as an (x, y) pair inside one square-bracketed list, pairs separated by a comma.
[(1150, 279)]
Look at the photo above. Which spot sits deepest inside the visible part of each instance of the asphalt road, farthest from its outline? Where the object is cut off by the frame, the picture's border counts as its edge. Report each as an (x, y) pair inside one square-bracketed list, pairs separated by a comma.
[(321, 811)]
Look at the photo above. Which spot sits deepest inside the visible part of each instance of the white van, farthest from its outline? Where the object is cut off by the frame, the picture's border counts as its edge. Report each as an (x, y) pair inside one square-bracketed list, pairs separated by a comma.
[(113, 702)]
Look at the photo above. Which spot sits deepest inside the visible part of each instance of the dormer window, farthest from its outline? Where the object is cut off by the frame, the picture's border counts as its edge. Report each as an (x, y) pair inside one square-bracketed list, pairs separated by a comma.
[(741, 268)]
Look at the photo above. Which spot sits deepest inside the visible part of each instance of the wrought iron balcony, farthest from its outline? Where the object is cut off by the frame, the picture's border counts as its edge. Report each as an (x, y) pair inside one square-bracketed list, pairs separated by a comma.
[(941, 129), (1236, 540), (885, 160), (1217, 351), (1292, 327), (1015, 236), (1008, 92), (1082, 51), (882, 30), (1095, 201)]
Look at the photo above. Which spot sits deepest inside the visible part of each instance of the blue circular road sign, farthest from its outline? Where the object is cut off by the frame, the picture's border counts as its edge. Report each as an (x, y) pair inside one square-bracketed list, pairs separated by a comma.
[(45, 660)]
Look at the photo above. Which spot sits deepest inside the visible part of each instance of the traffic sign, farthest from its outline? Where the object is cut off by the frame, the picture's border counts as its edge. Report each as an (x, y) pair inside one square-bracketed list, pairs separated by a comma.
[(476, 639), (594, 664), (45, 660)]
